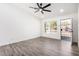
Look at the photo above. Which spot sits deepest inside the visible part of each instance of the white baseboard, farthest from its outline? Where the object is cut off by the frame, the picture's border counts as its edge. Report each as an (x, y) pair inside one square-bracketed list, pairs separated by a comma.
[(15, 40)]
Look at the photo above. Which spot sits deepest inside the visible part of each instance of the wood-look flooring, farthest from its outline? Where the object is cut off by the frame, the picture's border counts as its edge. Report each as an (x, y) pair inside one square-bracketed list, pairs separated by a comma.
[(40, 47)]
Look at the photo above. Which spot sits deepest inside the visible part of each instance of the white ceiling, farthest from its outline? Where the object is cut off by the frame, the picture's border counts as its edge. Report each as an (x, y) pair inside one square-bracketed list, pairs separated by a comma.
[(55, 7)]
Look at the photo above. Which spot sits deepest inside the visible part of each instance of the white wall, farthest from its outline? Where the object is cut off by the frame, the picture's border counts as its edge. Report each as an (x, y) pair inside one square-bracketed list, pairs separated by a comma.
[(15, 25), (57, 34)]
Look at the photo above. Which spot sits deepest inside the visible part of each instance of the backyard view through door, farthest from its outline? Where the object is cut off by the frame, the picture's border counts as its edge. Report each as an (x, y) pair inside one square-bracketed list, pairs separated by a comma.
[(66, 30)]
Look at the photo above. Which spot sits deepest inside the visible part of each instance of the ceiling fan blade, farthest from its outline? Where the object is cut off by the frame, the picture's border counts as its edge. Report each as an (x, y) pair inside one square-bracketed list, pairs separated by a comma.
[(47, 10), (47, 5), (37, 10), (42, 12), (33, 7), (38, 5)]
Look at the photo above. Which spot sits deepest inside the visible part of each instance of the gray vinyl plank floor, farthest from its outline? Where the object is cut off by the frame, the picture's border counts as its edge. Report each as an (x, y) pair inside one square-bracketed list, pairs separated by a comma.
[(40, 47)]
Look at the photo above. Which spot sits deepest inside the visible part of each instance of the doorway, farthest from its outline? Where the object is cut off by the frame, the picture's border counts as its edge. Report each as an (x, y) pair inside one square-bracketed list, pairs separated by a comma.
[(66, 30)]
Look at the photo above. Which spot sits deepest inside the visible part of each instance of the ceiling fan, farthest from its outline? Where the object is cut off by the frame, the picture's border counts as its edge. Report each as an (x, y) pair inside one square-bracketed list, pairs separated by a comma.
[(41, 8)]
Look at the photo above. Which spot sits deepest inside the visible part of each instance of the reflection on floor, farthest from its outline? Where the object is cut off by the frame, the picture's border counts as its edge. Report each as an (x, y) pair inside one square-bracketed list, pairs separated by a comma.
[(40, 47)]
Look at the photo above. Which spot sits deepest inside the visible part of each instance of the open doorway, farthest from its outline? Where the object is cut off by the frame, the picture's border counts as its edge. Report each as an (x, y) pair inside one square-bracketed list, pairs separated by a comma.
[(66, 30)]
